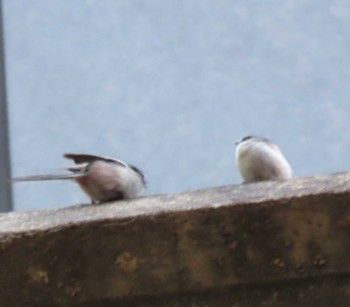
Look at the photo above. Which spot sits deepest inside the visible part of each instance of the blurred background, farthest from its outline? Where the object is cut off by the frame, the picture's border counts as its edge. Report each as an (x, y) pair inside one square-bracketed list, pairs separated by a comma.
[(170, 86)]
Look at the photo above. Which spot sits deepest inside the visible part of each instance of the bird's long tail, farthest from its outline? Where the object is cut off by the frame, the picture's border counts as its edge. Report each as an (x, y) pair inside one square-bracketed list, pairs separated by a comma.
[(47, 177)]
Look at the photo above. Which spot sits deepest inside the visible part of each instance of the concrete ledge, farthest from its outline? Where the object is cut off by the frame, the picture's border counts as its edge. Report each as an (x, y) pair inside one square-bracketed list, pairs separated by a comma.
[(192, 245)]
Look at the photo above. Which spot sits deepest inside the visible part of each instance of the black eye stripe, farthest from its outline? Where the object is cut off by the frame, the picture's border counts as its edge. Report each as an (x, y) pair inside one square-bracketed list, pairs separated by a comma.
[(246, 138)]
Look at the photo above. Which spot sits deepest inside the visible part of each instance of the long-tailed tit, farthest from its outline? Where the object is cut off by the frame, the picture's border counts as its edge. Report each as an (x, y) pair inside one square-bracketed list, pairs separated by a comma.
[(102, 179), (259, 159)]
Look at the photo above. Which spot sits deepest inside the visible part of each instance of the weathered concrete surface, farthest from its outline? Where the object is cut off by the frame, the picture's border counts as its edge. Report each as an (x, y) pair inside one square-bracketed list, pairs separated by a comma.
[(318, 292), (277, 243)]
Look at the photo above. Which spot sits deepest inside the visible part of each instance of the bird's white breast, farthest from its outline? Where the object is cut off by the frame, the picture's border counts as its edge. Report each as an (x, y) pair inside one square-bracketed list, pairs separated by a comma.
[(258, 161)]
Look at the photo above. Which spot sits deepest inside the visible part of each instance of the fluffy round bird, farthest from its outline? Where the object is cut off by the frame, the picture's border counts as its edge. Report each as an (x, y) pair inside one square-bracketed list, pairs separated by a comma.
[(259, 159), (102, 179)]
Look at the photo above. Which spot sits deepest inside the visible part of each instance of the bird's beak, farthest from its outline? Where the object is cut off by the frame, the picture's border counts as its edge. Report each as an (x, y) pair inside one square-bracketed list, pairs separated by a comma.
[(236, 143)]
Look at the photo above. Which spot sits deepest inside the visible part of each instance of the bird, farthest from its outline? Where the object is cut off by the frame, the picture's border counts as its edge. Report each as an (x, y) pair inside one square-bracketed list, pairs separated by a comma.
[(259, 159), (102, 179)]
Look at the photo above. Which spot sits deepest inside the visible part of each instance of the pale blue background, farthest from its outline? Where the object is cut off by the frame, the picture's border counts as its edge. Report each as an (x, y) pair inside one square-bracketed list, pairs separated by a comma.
[(170, 85)]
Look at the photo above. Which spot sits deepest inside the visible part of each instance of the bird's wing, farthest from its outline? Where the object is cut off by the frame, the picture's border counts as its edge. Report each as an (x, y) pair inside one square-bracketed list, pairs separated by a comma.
[(87, 158)]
